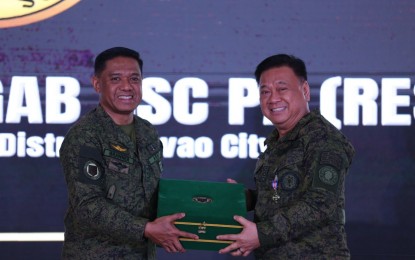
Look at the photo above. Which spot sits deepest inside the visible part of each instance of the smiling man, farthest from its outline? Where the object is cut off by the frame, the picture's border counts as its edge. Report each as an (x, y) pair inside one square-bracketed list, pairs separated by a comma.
[(112, 161), (299, 196)]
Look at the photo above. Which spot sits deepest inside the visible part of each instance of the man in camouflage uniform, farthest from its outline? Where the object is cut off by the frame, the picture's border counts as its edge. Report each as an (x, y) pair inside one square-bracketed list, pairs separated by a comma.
[(112, 162), (299, 196)]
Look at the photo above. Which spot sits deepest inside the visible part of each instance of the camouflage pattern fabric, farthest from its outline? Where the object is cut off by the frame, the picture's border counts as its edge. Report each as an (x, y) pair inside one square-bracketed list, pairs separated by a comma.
[(112, 188), (302, 216)]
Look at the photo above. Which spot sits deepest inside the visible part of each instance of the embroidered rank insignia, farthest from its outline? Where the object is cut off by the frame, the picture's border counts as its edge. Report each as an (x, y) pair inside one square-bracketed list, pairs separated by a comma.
[(92, 170), (119, 148), (118, 166)]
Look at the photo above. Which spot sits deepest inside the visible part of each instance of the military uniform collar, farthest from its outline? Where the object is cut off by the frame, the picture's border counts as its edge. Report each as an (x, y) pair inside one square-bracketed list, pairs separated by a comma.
[(122, 138), (102, 114), (139, 125)]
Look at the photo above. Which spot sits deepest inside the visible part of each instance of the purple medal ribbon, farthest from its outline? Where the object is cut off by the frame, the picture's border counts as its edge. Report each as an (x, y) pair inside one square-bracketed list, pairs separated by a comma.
[(275, 186)]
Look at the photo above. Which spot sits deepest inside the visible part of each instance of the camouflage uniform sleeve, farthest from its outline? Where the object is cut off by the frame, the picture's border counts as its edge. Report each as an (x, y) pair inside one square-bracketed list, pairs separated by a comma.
[(326, 163), (92, 213)]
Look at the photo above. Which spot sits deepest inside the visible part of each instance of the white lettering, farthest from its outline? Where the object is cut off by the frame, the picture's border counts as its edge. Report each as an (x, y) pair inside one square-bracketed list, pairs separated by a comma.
[(169, 146), (391, 101), (21, 144), (21, 89), (158, 110), (328, 100), (243, 92), (228, 146), (187, 147), (367, 100), (33, 146), (7, 145), (50, 145), (58, 144), (242, 146), (181, 106), (68, 97), (363, 92), (203, 147)]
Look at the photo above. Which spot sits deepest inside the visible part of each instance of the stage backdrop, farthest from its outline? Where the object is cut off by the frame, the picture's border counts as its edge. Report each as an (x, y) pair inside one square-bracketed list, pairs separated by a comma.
[(199, 91)]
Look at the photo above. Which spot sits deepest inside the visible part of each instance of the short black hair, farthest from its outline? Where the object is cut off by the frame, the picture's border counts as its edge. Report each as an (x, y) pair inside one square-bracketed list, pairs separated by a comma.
[(279, 60), (114, 52)]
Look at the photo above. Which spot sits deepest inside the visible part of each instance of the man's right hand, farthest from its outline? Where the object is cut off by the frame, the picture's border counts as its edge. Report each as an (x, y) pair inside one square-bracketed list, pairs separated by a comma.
[(163, 232)]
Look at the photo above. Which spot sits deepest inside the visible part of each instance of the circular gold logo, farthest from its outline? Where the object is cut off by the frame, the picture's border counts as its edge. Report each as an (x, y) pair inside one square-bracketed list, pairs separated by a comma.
[(21, 12)]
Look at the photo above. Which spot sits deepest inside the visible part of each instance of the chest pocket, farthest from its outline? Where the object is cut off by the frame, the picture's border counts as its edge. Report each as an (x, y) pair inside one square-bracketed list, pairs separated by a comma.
[(261, 173), (124, 180), (91, 166), (118, 166), (292, 179)]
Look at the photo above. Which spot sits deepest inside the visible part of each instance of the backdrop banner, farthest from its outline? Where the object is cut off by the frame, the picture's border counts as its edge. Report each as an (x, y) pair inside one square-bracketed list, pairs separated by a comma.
[(201, 95)]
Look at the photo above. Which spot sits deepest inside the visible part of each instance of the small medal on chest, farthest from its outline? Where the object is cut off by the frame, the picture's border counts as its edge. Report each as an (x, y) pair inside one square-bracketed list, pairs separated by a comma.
[(275, 197)]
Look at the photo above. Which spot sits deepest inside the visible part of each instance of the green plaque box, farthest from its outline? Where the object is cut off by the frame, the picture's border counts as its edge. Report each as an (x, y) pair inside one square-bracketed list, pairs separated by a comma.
[(209, 207)]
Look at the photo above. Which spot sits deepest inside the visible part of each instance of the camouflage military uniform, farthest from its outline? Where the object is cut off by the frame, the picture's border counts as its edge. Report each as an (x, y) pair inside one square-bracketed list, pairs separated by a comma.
[(112, 188), (303, 218)]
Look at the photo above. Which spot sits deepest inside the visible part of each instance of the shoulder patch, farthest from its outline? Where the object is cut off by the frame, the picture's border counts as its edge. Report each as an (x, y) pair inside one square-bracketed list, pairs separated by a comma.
[(90, 165), (330, 158), (92, 170), (327, 177)]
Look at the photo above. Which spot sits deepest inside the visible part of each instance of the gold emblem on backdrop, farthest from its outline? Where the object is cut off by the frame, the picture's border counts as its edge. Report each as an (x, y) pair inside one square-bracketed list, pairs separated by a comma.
[(22, 12)]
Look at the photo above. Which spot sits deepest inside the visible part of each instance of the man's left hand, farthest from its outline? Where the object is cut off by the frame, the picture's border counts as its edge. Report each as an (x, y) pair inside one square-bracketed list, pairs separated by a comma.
[(163, 232), (244, 242)]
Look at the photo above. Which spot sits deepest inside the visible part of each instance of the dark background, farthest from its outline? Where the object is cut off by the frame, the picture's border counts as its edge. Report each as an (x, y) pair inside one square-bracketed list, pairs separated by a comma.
[(215, 41)]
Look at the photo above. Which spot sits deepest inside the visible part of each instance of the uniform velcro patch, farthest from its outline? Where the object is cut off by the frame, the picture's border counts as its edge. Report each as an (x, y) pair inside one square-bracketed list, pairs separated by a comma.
[(327, 177), (90, 165), (330, 158)]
